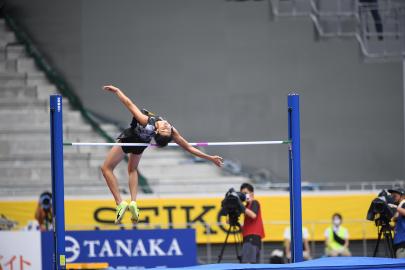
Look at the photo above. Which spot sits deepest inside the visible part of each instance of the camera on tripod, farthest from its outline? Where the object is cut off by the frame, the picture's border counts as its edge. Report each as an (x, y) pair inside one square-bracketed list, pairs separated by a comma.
[(232, 206), (381, 213), (379, 210)]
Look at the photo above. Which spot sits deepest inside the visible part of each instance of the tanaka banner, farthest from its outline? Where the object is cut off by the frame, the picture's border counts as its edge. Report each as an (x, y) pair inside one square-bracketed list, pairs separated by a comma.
[(126, 249)]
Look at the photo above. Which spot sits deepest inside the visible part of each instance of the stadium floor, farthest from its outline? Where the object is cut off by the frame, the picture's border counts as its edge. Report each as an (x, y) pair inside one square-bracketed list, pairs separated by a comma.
[(318, 264)]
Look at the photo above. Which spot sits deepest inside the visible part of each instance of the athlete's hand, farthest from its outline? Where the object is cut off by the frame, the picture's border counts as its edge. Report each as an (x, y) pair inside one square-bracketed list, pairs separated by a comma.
[(111, 88), (219, 161)]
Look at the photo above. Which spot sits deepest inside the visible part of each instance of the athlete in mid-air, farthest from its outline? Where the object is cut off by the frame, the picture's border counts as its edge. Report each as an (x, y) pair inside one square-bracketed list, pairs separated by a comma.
[(143, 128)]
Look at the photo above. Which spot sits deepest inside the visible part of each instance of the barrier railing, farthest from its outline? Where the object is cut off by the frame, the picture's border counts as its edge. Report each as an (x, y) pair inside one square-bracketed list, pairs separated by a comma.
[(354, 19)]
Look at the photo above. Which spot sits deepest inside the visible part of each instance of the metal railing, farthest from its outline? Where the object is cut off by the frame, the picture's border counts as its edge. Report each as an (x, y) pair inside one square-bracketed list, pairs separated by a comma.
[(338, 185), (8, 190), (378, 27), (382, 31)]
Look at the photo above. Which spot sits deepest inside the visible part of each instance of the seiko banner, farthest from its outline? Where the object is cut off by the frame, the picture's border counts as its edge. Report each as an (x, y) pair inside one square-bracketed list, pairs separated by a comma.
[(126, 249), (202, 214)]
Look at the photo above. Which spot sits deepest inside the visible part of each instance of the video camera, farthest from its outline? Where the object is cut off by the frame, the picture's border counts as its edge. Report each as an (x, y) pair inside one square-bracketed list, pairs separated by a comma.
[(45, 200), (232, 205), (379, 209), (381, 213)]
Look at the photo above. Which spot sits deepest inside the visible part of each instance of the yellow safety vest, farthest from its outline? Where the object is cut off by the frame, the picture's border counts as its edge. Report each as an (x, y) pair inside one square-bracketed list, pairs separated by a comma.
[(332, 244)]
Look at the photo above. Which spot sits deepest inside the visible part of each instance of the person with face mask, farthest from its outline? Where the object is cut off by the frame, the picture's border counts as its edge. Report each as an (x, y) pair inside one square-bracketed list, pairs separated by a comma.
[(337, 238), (252, 229)]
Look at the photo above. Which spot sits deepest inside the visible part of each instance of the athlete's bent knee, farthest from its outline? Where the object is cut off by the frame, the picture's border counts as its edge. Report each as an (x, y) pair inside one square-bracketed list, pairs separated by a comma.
[(106, 169), (132, 170)]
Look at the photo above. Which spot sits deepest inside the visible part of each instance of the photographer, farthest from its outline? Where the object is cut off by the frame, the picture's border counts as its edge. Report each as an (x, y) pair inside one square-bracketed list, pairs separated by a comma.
[(399, 236), (43, 213), (252, 229)]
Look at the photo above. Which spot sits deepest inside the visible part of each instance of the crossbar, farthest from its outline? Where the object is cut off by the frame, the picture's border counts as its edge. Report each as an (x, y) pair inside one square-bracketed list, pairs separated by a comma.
[(175, 144)]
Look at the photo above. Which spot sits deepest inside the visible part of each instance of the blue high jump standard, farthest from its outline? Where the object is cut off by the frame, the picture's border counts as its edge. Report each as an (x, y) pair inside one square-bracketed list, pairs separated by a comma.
[(57, 181), (294, 161), (294, 157)]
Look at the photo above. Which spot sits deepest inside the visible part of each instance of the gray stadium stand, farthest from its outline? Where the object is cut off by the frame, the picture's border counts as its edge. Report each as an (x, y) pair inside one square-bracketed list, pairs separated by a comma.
[(25, 142)]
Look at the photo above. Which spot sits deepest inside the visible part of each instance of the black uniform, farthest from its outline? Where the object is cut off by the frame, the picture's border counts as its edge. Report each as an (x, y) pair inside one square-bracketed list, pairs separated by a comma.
[(137, 133)]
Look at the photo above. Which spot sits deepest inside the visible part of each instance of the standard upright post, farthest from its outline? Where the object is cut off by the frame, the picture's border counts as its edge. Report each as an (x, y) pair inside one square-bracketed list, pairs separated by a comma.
[(57, 182), (295, 177)]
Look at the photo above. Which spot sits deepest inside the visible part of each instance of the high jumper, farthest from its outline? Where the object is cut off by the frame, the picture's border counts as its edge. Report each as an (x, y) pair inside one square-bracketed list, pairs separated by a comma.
[(144, 127)]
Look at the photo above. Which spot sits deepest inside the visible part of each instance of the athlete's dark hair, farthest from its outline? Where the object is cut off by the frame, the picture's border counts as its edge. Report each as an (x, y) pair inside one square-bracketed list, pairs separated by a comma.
[(337, 215), (247, 186), (162, 140)]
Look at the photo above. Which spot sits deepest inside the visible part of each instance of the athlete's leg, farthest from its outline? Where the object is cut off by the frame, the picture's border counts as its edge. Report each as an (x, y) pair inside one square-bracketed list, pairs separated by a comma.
[(113, 158), (133, 174), (133, 184)]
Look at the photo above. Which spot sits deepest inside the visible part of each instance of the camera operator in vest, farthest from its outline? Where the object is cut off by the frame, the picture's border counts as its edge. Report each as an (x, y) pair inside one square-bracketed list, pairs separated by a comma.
[(252, 229), (43, 213), (399, 232)]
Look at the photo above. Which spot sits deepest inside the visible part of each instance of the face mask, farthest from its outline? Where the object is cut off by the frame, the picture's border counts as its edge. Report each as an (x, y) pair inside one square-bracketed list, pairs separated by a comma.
[(337, 221)]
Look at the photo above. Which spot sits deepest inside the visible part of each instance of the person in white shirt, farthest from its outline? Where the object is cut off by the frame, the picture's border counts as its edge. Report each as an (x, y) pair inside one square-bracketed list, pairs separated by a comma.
[(287, 244)]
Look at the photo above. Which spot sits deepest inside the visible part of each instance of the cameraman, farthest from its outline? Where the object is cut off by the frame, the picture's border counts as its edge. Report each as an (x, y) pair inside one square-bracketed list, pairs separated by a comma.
[(43, 213), (252, 229), (399, 237)]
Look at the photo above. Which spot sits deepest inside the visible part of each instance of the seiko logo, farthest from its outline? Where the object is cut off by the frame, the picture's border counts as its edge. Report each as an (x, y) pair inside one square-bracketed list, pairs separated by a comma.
[(120, 248)]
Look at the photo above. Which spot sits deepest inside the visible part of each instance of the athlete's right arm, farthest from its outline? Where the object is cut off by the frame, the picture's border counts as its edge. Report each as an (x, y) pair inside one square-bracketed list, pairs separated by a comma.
[(136, 112)]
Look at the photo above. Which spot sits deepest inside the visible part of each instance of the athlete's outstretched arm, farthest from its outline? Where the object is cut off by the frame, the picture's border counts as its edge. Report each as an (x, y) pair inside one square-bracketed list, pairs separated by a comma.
[(217, 160), (139, 116)]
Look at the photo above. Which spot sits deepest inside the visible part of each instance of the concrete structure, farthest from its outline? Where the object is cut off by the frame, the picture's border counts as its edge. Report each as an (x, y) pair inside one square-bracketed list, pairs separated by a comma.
[(220, 70)]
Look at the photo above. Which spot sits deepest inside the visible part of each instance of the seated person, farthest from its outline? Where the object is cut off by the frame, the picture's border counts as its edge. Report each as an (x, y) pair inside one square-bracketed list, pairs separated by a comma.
[(337, 238), (287, 244)]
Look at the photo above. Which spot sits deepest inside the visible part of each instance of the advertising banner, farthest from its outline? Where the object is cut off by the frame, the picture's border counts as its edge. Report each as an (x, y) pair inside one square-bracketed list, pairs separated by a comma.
[(202, 214), (20, 250), (126, 249)]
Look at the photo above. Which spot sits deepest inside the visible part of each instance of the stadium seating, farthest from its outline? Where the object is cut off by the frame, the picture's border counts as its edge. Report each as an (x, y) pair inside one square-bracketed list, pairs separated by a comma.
[(25, 141)]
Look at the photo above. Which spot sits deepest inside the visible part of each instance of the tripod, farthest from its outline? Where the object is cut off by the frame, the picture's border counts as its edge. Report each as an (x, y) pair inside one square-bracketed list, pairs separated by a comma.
[(234, 228), (384, 231)]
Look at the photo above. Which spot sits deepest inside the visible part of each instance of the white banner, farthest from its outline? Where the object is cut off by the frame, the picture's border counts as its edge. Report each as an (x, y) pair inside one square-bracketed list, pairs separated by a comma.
[(20, 250)]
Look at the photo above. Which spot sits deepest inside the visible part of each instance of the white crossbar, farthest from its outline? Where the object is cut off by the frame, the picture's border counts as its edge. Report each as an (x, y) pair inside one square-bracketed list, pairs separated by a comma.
[(175, 144)]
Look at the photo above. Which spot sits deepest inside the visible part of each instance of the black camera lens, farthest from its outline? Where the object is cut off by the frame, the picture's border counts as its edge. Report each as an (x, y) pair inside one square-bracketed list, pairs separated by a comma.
[(45, 201)]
